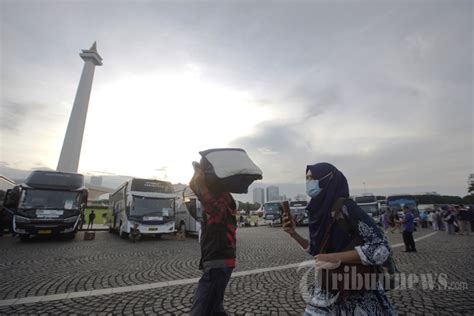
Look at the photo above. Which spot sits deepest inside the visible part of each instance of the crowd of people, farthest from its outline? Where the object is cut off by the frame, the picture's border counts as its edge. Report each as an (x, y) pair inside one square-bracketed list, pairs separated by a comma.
[(456, 219)]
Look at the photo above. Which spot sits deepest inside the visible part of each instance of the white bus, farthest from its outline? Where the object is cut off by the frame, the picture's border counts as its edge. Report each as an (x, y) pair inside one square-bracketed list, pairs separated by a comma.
[(369, 204), (149, 203), (272, 212), (188, 212)]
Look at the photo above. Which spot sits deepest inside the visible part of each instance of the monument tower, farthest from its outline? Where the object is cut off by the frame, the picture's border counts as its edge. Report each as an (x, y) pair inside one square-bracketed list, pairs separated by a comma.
[(71, 151)]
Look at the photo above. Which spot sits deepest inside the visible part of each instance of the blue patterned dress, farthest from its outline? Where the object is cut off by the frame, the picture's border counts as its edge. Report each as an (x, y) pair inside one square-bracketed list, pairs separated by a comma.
[(374, 251)]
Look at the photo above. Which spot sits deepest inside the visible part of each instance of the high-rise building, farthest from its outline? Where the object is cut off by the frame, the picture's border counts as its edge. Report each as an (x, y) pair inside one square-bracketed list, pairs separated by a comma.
[(273, 193), (259, 196)]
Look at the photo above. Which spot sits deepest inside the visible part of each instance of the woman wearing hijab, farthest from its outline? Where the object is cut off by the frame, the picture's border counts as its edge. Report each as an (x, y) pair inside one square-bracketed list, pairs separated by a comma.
[(325, 184)]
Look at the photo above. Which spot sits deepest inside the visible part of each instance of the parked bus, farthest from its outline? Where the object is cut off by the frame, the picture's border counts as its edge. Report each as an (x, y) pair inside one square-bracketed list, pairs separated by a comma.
[(5, 216), (47, 203), (299, 212), (272, 212), (369, 204), (188, 212), (149, 203), (396, 202)]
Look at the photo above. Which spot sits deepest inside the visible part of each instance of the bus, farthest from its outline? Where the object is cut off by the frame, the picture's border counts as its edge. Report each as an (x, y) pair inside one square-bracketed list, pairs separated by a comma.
[(5, 216), (396, 202), (272, 211), (188, 213), (299, 212), (47, 203), (149, 203), (369, 204)]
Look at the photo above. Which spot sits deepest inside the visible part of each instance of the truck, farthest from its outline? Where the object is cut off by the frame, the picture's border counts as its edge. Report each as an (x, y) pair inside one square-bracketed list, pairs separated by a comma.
[(47, 203), (149, 203)]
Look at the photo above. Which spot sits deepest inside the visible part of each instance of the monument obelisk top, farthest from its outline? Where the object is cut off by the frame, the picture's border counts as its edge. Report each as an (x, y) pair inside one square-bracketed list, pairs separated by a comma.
[(92, 54), (71, 150)]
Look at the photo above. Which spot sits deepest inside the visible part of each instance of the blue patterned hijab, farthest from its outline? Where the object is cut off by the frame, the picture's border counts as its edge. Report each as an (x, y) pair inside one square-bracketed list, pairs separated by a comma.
[(319, 208)]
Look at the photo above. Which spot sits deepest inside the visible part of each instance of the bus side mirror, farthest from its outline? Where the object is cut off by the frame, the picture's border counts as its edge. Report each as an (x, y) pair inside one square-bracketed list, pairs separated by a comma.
[(12, 197)]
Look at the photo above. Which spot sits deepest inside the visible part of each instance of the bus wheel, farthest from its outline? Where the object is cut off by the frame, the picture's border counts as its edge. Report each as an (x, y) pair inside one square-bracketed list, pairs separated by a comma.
[(24, 238), (111, 230)]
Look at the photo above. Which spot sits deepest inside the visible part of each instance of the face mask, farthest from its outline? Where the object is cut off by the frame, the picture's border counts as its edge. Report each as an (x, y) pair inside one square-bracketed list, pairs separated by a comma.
[(312, 188)]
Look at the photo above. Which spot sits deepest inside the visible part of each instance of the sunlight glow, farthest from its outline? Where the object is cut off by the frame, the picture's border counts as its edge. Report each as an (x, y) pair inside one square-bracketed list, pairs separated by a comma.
[(155, 124)]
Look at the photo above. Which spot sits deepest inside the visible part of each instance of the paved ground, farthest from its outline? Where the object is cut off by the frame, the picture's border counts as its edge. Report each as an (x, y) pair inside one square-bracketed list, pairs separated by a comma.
[(30, 271)]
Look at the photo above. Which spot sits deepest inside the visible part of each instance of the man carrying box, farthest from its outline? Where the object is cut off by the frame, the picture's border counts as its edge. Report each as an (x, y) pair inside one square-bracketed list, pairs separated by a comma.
[(218, 241)]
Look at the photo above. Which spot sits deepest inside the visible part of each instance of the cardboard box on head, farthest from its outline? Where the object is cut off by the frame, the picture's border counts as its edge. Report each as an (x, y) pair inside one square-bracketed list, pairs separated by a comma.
[(228, 170)]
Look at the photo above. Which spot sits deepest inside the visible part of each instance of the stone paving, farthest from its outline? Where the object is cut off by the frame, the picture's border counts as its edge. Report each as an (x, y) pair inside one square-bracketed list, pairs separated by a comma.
[(47, 267)]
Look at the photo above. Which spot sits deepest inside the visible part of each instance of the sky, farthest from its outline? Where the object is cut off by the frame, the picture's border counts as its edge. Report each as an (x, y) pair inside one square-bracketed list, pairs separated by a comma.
[(382, 90)]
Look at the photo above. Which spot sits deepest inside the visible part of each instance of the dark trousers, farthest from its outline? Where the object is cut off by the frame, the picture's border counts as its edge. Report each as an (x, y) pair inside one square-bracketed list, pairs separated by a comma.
[(209, 295), (409, 241)]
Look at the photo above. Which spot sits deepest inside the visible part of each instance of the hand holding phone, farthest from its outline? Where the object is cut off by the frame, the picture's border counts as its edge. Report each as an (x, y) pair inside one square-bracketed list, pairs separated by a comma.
[(287, 220)]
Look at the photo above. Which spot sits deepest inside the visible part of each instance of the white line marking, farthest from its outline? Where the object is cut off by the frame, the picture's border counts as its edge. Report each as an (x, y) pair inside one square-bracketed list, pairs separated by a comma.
[(141, 287), (416, 239)]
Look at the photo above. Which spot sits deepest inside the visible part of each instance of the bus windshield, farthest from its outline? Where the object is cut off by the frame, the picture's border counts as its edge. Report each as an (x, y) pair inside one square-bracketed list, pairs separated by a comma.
[(144, 206), (271, 208), (400, 201), (49, 199), (365, 199)]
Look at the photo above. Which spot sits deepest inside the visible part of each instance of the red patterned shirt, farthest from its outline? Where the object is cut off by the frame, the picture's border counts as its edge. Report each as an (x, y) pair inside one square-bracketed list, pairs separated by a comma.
[(218, 238)]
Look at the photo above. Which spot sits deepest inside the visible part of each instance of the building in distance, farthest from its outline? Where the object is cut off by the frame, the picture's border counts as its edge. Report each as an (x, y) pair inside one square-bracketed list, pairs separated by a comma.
[(273, 193), (258, 196)]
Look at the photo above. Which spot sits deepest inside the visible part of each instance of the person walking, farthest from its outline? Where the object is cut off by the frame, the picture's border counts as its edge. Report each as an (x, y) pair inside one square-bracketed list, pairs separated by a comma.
[(432, 219), (83, 219), (332, 242), (448, 218), (463, 218), (134, 233), (218, 241), (439, 219), (241, 221), (424, 219), (396, 222), (408, 226), (91, 220)]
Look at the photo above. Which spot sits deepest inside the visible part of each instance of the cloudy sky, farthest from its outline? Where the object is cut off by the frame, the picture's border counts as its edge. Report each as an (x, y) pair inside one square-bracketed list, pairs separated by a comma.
[(383, 90)]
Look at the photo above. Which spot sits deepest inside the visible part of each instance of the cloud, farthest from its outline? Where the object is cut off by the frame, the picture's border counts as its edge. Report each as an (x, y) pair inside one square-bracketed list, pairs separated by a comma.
[(14, 115), (383, 90)]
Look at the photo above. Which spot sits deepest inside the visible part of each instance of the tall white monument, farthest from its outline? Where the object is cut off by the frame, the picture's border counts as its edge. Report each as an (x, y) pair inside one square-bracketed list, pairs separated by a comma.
[(71, 151)]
